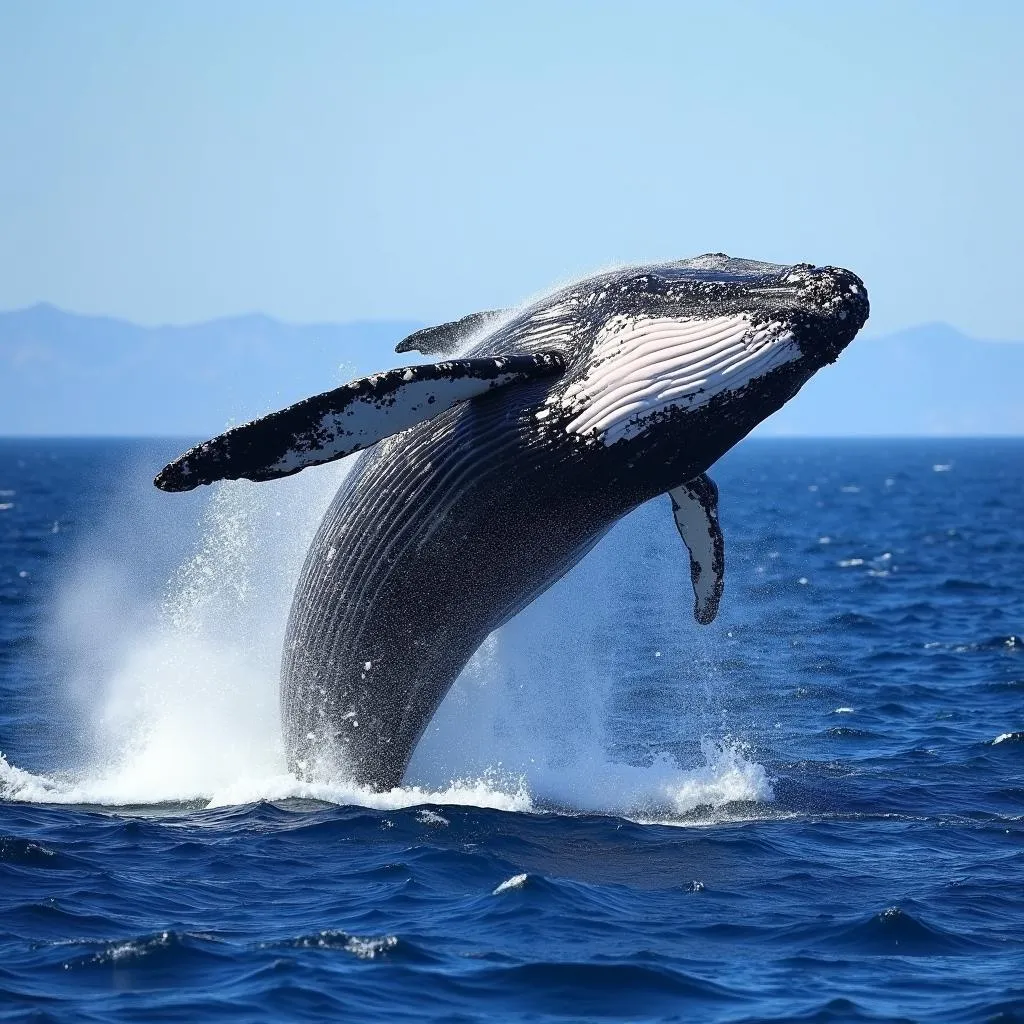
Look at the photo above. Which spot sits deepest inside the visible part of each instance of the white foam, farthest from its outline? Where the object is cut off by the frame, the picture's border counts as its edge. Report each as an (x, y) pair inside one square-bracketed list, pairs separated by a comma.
[(179, 700), (662, 790), (368, 948), (515, 882), (658, 792), (473, 793)]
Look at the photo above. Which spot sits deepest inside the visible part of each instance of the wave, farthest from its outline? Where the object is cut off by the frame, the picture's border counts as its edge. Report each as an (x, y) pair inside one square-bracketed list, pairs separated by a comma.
[(896, 932), (1007, 737)]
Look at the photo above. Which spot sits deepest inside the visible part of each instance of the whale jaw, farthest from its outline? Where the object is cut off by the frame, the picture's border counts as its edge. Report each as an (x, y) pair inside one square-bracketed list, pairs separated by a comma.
[(644, 367)]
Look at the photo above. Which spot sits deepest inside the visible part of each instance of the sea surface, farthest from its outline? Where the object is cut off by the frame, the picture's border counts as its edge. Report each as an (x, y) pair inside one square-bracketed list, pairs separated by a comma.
[(812, 810)]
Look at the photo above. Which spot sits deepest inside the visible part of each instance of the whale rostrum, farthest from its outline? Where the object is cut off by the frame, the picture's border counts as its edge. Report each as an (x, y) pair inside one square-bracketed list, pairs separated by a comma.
[(490, 474)]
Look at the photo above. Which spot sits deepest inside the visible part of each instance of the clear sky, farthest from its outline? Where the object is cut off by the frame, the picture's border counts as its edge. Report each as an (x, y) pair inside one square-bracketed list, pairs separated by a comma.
[(170, 162)]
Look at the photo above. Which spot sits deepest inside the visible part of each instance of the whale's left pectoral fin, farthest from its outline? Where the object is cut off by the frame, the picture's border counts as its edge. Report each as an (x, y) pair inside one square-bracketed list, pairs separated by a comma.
[(347, 419), (695, 507)]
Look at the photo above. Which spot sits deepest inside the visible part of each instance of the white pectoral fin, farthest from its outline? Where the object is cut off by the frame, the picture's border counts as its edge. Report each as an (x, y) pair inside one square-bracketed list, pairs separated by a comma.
[(347, 419), (695, 507)]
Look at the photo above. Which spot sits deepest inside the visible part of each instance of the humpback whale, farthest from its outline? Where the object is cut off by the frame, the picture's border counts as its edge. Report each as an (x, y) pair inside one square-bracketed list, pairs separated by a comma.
[(490, 473)]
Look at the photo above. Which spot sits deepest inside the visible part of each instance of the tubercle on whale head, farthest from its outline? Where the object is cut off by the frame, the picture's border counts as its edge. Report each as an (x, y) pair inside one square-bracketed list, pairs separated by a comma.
[(832, 306)]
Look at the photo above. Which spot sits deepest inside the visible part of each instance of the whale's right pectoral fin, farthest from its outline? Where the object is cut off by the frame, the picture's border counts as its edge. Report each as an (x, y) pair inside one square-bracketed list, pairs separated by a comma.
[(695, 508), (347, 419), (447, 338)]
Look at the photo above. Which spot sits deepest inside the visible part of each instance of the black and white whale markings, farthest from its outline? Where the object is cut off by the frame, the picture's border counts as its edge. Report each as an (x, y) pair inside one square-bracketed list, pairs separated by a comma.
[(492, 473)]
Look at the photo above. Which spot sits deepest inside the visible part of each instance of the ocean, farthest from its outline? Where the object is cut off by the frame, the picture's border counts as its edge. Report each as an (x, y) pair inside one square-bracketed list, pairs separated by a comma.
[(811, 810)]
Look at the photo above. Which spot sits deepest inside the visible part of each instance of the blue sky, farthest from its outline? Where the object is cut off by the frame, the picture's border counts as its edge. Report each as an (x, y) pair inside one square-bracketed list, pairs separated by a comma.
[(333, 161)]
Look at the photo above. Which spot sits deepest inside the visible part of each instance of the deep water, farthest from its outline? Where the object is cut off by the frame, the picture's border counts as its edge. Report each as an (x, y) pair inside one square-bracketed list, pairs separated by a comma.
[(812, 810)]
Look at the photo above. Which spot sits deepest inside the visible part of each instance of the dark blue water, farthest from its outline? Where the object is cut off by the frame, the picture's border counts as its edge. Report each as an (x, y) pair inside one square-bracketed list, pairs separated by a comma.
[(812, 810)]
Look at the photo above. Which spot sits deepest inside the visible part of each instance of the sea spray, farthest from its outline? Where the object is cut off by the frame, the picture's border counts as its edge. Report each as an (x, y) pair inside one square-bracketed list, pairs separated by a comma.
[(188, 701), (566, 699)]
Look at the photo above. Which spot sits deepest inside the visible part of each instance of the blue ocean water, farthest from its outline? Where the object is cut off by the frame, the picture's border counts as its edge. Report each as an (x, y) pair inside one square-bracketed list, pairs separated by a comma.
[(812, 810)]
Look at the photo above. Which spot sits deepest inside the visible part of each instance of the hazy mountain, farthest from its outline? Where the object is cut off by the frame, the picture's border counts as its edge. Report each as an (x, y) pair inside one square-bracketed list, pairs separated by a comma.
[(927, 380), (61, 373), (66, 374)]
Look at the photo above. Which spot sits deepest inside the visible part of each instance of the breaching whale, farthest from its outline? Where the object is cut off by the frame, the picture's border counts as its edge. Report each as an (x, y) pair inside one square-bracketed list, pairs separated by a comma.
[(493, 472)]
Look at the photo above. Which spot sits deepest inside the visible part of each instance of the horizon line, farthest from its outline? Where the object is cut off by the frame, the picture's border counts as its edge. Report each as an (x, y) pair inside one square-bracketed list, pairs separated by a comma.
[(757, 437), (406, 321)]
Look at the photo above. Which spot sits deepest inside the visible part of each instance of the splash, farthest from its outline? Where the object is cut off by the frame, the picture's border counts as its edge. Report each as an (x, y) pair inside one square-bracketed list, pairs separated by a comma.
[(660, 793), (182, 700), (176, 681), (120, 789)]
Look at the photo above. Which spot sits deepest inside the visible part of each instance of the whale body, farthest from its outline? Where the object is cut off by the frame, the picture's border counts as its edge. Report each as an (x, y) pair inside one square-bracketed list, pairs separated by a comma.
[(490, 474)]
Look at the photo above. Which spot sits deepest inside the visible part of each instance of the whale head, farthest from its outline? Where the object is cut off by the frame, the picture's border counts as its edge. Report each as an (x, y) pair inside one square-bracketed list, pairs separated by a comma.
[(703, 347)]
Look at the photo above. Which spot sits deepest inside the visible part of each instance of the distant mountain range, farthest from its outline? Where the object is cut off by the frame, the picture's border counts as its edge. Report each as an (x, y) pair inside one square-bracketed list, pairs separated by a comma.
[(923, 381), (61, 373)]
